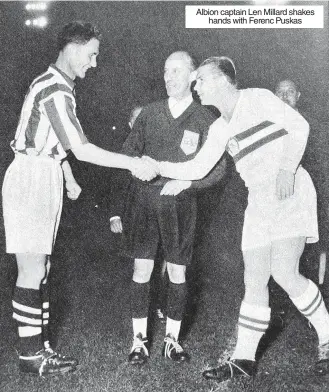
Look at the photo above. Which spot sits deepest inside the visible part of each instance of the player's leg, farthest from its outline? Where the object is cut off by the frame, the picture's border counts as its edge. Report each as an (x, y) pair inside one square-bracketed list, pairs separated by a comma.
[(33, 269), (32, 319), (140, 301), (253, 319), (27, 303), (45, 300), (303, 292), (32, 201)]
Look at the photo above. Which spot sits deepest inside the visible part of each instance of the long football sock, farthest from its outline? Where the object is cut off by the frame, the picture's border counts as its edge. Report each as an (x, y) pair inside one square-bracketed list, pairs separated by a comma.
[(253, 322), (311, 305), (140, 301), (173, 327), (28, 315), (45, 314), (175, 308)]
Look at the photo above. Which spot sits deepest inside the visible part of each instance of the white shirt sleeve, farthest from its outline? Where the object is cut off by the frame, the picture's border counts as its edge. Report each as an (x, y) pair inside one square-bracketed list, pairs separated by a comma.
[(296, 126)]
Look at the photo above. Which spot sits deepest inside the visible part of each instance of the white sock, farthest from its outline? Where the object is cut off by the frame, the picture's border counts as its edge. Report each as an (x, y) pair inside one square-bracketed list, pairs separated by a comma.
[(140, 326), (173, 327), (311, 305), (253, 322)]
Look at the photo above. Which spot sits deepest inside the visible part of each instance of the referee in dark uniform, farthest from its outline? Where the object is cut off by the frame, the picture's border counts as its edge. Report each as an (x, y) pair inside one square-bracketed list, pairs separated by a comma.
[(173, 129)]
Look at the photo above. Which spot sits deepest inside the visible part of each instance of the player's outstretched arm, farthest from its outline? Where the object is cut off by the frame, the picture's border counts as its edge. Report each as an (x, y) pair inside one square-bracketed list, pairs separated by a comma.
[(200, 165), (88, 152)]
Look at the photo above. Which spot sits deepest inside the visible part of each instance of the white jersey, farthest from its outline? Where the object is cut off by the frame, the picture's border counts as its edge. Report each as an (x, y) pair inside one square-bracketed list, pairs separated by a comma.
[(263, 136)]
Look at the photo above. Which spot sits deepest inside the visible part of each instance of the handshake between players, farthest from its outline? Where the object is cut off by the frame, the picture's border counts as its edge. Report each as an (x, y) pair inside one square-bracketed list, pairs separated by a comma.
[(145, 168)]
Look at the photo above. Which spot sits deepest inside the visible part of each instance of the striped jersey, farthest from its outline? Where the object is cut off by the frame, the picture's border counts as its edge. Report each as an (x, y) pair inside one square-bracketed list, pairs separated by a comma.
[(48, 124)]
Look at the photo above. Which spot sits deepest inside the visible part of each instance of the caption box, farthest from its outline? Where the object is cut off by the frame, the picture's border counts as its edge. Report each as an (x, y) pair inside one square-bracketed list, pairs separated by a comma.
[(256, 17)]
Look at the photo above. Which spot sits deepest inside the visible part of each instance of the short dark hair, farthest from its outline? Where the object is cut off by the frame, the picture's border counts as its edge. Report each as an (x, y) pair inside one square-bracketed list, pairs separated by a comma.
[(223, 65), (77, 32), (287, 80)]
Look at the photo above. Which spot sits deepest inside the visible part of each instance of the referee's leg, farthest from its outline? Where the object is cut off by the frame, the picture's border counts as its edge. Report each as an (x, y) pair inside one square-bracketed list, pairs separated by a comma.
[(140, 300)]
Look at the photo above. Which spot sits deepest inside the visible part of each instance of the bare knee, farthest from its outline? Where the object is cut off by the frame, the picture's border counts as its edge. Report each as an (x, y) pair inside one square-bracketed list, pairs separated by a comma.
[(176, 273), (32, 270), (143, 270)]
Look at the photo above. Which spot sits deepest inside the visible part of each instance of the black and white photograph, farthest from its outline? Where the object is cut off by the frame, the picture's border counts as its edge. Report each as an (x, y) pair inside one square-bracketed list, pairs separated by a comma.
[(165, 196)]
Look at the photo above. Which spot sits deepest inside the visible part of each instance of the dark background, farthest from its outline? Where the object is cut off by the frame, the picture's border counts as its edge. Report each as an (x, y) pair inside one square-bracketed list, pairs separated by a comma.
[(137, 37), (90, 284)]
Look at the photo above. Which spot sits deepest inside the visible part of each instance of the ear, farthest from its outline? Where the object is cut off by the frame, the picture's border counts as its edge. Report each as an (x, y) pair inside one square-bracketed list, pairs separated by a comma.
[(298, 96), (192, 76), (71, 48)]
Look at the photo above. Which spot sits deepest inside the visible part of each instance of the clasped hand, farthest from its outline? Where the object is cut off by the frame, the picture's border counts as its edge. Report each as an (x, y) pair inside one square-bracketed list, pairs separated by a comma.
[(172, 187), (145, 168)]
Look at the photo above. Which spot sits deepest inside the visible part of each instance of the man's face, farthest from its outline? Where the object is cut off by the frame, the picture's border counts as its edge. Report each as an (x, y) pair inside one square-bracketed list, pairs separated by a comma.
[(206, 85), (287, 92), (177, 78), (83, 57)]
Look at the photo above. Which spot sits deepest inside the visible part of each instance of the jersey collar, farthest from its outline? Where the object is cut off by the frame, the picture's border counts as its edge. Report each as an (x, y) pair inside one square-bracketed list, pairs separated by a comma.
[(68, 80)]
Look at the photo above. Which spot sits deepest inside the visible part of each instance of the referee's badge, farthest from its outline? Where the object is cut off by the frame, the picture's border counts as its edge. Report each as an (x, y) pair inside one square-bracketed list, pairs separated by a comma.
[(232, 146), (190, 141)]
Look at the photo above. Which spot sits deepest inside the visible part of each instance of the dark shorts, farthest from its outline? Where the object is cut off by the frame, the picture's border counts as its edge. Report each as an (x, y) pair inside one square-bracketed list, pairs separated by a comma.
[(150, 220)]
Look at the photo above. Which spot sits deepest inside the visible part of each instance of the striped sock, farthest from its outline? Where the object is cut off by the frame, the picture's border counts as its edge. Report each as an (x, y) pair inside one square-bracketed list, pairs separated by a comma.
[(45, 314), (28, 315), (311, 305), (253, 322)]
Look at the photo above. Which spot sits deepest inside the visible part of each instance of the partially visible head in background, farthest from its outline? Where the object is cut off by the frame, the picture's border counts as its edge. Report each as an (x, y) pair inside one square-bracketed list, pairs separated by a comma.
[(288, 92)]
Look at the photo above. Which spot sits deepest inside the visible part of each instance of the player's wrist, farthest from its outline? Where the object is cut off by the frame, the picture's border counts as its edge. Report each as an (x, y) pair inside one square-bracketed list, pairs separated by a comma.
[(288, 170), (162, 168), (131, 163), (70, 182)]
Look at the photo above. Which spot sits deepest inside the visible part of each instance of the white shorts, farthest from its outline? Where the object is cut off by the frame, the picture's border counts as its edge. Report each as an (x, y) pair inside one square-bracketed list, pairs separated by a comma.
[(32, 197), (268, 219)]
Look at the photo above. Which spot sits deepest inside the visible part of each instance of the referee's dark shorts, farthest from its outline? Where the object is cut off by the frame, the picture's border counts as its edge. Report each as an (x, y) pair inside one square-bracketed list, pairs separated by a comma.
[(150, 220)]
